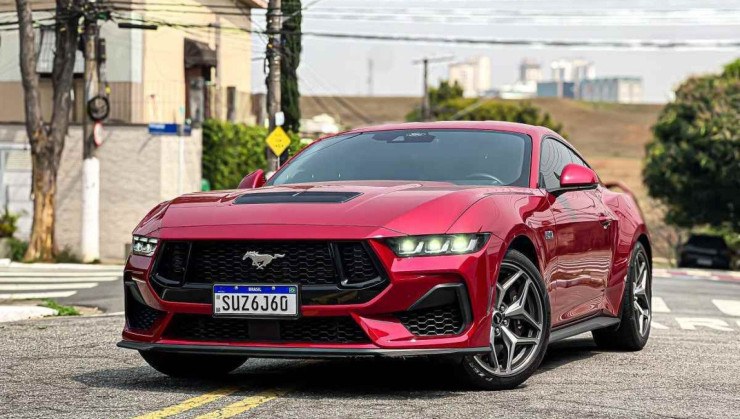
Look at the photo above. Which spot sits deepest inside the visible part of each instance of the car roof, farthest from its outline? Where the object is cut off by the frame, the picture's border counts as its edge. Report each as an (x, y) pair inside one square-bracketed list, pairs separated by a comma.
[(534, 131)]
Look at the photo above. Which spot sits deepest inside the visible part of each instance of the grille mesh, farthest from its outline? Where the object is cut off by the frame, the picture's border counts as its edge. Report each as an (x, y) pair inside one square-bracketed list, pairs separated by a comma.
[(307, 329), (140, 316), (309, 263), (356, 264), (443, 320)]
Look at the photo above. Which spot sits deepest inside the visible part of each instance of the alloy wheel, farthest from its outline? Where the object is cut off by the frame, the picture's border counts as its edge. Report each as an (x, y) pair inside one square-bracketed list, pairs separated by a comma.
[(516, 323), (641, 293)]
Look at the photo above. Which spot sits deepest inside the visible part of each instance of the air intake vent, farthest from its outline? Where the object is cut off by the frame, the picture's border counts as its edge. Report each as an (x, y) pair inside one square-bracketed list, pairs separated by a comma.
[(296, 198)]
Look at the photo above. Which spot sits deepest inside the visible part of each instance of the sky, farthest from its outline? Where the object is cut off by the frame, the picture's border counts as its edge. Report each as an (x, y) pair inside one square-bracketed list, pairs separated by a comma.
[(340, 66)]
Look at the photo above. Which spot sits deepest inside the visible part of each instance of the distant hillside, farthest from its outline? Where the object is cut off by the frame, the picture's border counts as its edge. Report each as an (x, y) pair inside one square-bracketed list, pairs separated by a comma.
[(597, 129)]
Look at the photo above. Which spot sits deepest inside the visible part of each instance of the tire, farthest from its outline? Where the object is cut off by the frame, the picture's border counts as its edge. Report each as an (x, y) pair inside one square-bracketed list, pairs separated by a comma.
[(628, 336), (191, 365), (481, 370)]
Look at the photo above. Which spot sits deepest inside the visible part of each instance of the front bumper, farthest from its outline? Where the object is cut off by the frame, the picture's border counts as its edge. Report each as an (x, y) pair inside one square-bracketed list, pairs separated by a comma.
[(380, 319), (295, 352)]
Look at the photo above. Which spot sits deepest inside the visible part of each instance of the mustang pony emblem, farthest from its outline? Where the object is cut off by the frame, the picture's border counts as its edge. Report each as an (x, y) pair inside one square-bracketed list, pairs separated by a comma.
[(259, 260)]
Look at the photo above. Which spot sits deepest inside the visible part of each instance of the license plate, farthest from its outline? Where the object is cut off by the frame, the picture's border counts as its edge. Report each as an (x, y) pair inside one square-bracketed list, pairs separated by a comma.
[(259, 301), (704, 262)]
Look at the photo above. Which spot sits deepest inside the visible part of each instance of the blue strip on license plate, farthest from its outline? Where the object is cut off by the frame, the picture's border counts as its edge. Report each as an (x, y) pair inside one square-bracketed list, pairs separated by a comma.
[(246, 289)]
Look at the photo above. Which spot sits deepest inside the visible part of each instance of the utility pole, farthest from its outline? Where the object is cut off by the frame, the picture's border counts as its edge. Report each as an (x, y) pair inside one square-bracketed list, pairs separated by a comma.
[(273, 53), (90, 240), (370, 71), (426, 111)]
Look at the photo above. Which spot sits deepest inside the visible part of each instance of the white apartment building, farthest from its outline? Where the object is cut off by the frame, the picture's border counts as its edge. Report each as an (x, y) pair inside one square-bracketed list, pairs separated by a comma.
[(474, 75)]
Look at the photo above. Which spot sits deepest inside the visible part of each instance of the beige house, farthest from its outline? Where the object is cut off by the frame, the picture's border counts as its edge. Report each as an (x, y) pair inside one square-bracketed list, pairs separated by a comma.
[(196, 64), (152, 72)]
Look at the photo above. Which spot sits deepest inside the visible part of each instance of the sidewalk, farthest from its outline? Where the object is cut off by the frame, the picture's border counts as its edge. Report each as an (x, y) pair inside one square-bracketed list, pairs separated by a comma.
[(94, 286), (688, 273)]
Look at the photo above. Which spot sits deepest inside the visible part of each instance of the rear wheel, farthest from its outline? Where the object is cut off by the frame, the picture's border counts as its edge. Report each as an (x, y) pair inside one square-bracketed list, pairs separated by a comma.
[(192, 365), (634, 328), (520, 327)]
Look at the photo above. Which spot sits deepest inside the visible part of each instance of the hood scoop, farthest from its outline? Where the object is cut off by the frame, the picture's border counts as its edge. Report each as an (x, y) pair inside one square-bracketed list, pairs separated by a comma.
[(296, 198)]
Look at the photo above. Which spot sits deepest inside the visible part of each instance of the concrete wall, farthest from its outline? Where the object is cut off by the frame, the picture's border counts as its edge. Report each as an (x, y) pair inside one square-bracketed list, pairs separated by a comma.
[(137, 171)]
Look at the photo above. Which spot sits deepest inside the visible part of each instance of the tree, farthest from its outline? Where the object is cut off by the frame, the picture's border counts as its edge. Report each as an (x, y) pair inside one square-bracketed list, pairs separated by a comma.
[(447, 103), (291, 43), (232, 150), (692, 164), (46, 139)]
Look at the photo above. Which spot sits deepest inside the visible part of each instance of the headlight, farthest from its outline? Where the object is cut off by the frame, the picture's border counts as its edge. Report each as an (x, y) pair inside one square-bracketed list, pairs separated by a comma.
[(445, 244), (143, 246)]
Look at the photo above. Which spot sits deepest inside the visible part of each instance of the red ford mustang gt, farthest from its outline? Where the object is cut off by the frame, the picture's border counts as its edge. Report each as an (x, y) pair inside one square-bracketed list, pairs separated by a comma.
[(482, 241)]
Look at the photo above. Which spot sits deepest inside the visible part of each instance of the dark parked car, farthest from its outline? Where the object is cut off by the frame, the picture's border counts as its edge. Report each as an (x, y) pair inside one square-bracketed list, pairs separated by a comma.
[(706, 251)]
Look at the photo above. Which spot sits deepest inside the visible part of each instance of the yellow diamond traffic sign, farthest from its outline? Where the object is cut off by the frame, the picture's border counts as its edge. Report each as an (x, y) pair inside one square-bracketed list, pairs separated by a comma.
[(278, 141)]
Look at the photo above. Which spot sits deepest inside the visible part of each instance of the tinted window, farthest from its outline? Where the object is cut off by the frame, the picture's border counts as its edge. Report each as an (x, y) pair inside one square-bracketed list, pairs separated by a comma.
[(465, 157), (713, 242), (554, 157)]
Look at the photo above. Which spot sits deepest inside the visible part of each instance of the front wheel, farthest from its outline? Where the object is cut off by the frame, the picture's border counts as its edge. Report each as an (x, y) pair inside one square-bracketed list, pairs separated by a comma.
[(634, 328), (520, 327), (192, 365)]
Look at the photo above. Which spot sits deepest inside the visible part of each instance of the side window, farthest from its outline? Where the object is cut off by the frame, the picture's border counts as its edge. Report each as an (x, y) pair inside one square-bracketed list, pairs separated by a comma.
[(554, 156)]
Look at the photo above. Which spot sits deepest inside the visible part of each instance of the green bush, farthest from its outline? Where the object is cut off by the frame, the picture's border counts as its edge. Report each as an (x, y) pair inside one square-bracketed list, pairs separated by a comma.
[(231, 151), (447, 103), (17, 249), (8, 224), (692, 164)]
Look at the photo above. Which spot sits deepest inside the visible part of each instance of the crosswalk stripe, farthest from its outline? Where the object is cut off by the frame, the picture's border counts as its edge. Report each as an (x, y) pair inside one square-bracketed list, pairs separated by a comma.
[(189, 404), (243, 405), (21, 274), (659, 305), (729, 307), (37, 295), (48, 287), (57, 280)]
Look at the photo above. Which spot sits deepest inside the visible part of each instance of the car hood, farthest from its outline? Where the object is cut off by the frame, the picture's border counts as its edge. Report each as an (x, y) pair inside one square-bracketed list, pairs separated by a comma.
[(400, 207)]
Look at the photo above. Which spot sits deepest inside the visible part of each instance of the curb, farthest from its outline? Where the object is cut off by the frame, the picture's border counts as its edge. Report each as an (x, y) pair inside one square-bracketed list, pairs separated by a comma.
[(684, 273)]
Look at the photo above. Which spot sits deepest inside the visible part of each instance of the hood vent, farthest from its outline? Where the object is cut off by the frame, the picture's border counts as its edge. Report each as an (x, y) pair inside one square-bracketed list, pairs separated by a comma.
[(296, 198)]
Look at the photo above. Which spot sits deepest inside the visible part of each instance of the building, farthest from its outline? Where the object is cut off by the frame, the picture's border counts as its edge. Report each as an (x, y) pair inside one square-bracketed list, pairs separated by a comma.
[(572, 70), (200, 68), (614, 89), (561, 89), (530, 71), (474, 75)]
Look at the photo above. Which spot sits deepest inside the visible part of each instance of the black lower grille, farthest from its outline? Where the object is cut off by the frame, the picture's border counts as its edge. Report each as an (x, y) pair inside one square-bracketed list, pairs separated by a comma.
[(140, 316), (435, 321), (307, 329)]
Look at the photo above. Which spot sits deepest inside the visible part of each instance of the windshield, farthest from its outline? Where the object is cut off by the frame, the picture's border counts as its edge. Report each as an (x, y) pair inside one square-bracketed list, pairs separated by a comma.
[(463, 157)]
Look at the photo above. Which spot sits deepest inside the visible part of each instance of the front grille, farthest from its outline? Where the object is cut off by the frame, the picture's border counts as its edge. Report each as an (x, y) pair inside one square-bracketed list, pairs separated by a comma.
[(435, 321), (140, 316), (309, 263), (196, 327), (356, 264)]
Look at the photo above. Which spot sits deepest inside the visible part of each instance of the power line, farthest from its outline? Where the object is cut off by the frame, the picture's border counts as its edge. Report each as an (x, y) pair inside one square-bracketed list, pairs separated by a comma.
[(630, 44)]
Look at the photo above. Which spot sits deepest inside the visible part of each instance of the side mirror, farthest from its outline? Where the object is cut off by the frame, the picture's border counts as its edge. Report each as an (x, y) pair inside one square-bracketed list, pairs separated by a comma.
[(253, 180), (575, 176)]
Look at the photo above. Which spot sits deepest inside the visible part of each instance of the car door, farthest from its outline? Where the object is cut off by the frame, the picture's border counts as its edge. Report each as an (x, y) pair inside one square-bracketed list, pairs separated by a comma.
[(581, 232)]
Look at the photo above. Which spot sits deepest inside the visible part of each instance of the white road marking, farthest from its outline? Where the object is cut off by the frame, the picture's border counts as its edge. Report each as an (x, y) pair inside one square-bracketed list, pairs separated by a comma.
[(658, 326), (57, 280), (729, 307), (48, 287), (659, 305), (20, 274), (691, 323), (37, 295), (14, 313)]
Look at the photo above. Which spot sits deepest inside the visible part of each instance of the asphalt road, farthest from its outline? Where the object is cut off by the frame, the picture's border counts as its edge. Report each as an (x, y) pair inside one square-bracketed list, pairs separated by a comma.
[(70, 367)]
